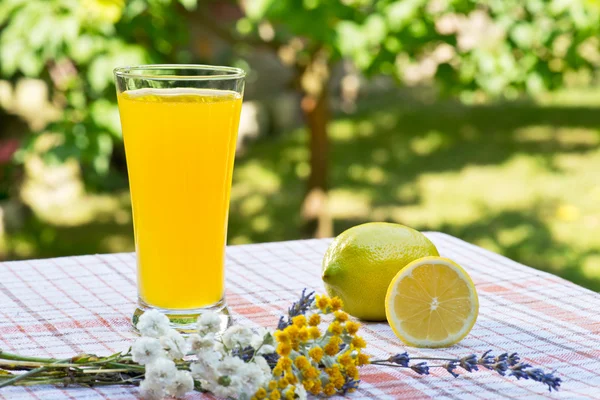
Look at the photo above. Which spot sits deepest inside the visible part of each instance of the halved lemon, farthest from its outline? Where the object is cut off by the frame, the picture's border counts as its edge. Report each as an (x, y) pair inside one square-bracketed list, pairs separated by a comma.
[(432, 302)]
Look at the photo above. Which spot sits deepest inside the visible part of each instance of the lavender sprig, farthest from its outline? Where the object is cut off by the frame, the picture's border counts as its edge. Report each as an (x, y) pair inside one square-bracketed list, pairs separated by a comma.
[(526, 371), (272, 359), (402, 359), (486, 360), (420, 368), (246, 354), (299, 307), (349, 384), (504, 364), (450, 366), (513, 359), (469, 363)]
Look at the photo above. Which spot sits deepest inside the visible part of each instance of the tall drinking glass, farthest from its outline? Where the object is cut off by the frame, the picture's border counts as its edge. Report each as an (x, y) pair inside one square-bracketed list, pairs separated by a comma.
[(180, 126)]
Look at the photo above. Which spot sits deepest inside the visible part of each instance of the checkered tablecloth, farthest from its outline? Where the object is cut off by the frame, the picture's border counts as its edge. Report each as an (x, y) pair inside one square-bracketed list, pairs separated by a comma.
[(60, 307)]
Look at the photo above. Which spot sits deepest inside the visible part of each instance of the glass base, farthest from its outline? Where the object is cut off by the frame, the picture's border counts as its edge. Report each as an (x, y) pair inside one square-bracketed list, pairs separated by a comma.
[(184, 321)]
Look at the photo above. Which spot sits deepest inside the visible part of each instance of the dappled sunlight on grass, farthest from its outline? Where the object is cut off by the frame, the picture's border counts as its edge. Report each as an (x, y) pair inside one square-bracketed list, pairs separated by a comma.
[(346, 204), (503, 186), (267, 191), (39, 239), (519, 180), (63, 219), (564, 137), (373, 175), (431, 142), (252, 205), (117, 243), (258, 177), (591, 267), (261, 224), (342, 131)]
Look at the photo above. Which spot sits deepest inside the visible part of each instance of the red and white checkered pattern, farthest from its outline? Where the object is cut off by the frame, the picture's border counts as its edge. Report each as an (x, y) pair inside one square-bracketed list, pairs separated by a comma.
[(60, 307)]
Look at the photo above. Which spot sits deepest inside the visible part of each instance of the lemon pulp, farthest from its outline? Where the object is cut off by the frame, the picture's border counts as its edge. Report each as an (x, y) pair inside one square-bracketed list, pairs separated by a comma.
[(432, 302)]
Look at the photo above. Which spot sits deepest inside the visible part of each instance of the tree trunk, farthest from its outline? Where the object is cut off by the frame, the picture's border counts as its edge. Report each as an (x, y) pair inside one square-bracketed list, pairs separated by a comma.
[(317, 218)]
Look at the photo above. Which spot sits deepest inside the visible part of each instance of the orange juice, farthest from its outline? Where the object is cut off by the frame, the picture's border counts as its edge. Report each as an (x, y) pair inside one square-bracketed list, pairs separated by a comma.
[(180, 147)]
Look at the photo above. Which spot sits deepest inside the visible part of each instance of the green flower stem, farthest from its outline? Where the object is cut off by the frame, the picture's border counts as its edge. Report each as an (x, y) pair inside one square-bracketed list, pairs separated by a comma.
[(10, 356), (31, 373), (114, 357), (385, 364), (104, 371), (256, 351), (91, 381), (131, 367), (35, 382), (35, 378), (15, 363), (381, 362), (21, 377)]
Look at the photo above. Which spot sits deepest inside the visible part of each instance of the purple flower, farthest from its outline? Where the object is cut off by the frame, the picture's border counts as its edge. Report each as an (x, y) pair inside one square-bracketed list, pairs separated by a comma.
[(299, 307), (450, 366), (401, 359), (469, 363), (421, 368)]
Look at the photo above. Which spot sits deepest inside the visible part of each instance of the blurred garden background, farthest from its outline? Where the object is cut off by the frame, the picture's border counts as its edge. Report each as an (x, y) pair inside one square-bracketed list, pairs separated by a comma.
[(480, 119)]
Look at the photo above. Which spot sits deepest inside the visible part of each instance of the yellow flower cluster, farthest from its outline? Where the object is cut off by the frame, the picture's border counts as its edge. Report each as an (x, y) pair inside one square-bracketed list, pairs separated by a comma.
[(323, 361), (274, 391)]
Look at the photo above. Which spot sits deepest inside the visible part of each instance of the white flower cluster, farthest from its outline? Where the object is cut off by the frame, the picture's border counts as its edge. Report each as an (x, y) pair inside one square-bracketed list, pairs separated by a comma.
[(157, 349), (221, 372), (230, 365)]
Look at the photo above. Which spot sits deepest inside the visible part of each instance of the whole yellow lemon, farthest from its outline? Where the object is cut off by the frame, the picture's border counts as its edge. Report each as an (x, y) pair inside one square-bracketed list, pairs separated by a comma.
[(362, 261)]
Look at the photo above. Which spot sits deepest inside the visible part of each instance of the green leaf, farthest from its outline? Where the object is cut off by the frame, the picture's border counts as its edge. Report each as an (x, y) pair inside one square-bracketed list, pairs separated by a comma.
[(535, 83), (98, 75), (10, 53), (310, 4), (559, 6), (189, 5), (268, 339), (375, 29), (523, 35), (350, 37), (257, 9), (7, 7), (134, 8), (30, 65), (102, 159), (400, 13), (38, 35), (83, 48), (105, 114), (61, 153)]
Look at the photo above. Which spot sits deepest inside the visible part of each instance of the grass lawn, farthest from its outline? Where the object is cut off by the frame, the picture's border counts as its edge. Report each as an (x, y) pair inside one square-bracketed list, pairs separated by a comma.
[(521, 180), (518, 179)]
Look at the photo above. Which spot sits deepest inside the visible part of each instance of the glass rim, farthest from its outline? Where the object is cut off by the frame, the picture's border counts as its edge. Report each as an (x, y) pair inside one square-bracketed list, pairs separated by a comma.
[(225, 72)]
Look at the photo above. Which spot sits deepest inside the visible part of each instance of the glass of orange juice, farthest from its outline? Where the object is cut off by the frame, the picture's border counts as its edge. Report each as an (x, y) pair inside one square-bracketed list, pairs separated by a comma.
[(180, 126)]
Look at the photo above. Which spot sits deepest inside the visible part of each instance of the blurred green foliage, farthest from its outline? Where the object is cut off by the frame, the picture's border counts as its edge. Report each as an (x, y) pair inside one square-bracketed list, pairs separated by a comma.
[(499, 47), (74, 45)]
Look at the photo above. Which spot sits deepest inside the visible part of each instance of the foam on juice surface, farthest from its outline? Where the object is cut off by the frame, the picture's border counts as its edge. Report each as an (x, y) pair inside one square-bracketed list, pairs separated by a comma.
[(181, 95)]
